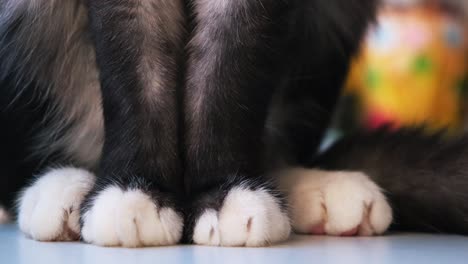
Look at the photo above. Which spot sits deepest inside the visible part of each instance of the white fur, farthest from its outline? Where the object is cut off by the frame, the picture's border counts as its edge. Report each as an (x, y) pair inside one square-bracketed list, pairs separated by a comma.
[(247, 218), (49, 208), (209, 15), (209, 8), (4, 216), (337, 201), (130, 219), (162, 21)]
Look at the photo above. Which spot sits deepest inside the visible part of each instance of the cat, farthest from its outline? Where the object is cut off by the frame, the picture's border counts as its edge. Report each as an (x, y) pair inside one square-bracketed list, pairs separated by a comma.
[(153, 122)]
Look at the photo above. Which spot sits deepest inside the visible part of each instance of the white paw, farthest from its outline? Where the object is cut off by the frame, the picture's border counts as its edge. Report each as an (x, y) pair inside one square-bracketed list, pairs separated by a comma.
[(48, 210), (247, 218), (335, 202), (130, 219)]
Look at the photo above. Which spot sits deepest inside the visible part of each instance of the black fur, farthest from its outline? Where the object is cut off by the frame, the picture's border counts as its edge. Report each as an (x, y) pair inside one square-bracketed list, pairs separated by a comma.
[(21, 118), (270, 63), (141, 144), (261, 80)]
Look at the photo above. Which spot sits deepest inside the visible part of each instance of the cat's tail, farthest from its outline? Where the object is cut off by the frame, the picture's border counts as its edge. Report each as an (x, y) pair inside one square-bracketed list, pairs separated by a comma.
[(424, 177)]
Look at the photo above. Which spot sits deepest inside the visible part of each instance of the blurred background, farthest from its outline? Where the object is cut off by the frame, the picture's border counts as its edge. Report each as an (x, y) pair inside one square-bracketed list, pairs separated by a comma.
[(412, 70)]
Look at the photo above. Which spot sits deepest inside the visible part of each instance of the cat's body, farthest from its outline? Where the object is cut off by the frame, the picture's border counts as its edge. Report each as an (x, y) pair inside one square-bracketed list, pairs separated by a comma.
[(193, 104)]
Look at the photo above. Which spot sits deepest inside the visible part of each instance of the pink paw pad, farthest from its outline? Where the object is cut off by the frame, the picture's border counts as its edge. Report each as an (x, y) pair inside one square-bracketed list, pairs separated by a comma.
[(352, 232), (318, 230)]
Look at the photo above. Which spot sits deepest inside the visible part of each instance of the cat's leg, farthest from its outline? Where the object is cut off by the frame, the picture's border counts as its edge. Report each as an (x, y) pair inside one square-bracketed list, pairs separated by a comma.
[(50, 113), (324, 35), (233, 59), (335, 202), (135, 199), (323, 202)]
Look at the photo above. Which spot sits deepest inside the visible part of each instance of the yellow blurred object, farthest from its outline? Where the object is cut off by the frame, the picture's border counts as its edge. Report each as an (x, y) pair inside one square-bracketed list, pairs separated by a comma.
[(412, 70)]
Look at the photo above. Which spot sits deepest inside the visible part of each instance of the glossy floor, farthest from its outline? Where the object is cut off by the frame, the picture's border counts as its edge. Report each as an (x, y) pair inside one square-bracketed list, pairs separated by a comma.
[(398, 248)]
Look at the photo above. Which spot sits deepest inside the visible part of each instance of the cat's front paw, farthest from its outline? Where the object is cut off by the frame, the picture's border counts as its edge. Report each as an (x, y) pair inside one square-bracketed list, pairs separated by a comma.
[(335, 203), (246, 217), (48, 210), (129, 218)]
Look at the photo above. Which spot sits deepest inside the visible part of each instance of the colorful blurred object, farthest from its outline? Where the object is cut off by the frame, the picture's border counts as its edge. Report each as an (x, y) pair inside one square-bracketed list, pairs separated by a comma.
[(413, 69)]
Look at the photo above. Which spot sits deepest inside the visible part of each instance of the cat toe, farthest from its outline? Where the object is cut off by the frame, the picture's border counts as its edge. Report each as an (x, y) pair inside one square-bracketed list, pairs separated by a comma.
[(250, 218), (48, 210), (4, 216), (129, 218)]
